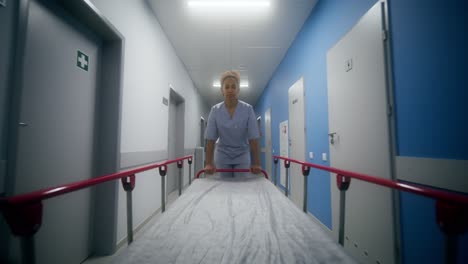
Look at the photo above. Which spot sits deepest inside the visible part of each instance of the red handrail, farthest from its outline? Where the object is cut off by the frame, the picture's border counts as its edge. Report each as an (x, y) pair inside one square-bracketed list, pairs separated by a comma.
[(432, 193), (47, 193), (231, 170)]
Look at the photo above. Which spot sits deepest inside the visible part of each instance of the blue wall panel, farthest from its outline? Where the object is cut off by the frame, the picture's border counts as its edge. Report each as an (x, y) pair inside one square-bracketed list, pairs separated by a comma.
[(430, 75), (422, 240), (431, 80)]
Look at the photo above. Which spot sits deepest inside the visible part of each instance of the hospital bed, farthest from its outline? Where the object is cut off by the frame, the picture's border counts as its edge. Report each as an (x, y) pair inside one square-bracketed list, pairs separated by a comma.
[(242, 219)]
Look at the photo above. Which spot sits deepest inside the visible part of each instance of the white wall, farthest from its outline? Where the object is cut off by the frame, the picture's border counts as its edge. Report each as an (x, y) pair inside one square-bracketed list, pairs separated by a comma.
[(150, 66)]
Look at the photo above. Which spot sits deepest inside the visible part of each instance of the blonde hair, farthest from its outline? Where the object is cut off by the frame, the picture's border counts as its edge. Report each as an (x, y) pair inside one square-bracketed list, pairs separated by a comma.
[(230, 74)]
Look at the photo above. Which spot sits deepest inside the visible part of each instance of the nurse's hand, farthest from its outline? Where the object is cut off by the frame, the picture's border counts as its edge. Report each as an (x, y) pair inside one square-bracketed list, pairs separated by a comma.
[(210, 169), (255, 169)]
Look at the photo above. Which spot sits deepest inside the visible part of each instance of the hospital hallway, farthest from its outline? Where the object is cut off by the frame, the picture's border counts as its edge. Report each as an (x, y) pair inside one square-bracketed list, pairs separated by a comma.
[(355, 112)]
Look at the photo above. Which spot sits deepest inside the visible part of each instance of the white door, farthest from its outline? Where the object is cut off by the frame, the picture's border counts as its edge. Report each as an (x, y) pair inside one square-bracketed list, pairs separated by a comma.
[(297, 140), (56, 135), (284, 150), (357, 108), (268, 154)]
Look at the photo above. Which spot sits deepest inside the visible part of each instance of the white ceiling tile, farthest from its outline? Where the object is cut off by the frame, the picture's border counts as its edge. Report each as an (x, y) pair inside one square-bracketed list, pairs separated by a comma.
[(209, 43)]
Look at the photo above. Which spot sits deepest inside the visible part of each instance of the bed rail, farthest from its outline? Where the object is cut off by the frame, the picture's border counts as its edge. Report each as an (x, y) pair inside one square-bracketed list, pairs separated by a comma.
[(231, 170), (451, 208), (23, 213)]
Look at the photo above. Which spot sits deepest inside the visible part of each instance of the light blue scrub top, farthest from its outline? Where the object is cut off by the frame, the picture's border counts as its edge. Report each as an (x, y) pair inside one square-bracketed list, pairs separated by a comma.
[(234, 134)]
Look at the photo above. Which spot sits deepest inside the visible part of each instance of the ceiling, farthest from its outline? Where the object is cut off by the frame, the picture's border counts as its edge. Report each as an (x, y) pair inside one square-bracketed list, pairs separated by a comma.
[(253, 41)]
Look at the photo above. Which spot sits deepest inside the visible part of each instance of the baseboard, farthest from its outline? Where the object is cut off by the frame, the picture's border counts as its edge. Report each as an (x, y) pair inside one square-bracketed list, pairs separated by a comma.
[(324, 227), (142, 225), (136, 231)]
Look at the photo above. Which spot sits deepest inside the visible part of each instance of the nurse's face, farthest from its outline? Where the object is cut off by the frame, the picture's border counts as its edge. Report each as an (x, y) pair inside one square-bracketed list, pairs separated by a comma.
[(230, 89)]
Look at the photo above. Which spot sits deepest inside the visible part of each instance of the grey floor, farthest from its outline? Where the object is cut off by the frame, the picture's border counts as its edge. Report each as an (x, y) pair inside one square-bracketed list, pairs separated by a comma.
[(107, 259)]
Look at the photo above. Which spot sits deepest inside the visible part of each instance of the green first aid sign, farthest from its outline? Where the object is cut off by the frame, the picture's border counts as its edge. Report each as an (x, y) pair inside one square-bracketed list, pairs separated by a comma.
[(82, 60)]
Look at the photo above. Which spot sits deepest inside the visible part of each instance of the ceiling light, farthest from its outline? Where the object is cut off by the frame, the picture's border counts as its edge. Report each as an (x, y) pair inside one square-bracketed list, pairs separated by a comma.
[(242, 85), (228, 3)]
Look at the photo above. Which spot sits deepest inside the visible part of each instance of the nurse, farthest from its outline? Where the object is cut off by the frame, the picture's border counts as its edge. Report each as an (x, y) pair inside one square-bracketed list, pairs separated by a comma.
[(233, 122)]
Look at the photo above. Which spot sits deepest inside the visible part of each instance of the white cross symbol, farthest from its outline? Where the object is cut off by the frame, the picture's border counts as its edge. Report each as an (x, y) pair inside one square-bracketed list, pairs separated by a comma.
[(82, 60)]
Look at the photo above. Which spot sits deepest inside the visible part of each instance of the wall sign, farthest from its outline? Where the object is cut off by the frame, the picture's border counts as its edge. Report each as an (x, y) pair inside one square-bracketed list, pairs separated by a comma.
[(82, 60)]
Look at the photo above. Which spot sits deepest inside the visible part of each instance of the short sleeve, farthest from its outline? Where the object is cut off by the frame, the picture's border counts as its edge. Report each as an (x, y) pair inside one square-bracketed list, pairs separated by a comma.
[(211, 132), (252, 127)]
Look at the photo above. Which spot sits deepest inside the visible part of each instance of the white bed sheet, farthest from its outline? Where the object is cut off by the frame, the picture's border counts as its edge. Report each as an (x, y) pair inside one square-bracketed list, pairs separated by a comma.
[(233, 220)]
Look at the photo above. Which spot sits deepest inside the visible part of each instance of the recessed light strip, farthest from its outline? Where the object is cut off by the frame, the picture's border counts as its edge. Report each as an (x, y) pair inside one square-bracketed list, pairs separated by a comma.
[(228, 3), (242, 85)]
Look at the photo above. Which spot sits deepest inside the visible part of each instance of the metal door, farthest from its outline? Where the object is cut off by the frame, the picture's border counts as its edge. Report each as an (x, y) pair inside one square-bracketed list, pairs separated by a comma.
[(284, 150), (57, 126), (175, 139), (297, 139), (268, 153), (360, 137)]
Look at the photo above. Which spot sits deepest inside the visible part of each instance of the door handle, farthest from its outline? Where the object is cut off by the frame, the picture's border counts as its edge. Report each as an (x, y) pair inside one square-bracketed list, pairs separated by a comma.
[(332, 137), (22, 124)]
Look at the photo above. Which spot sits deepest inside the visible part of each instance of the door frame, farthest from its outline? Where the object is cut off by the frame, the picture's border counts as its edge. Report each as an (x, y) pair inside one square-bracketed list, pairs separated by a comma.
[(392, 126), (107, 116), (179, 101)]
